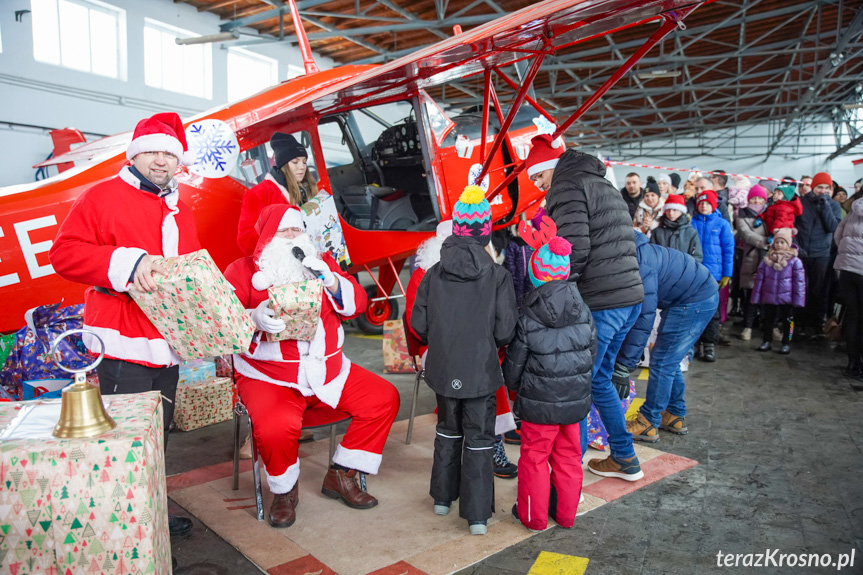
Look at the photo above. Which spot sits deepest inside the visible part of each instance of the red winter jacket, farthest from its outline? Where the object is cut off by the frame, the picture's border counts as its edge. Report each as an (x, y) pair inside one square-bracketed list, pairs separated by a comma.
[(781, 214)]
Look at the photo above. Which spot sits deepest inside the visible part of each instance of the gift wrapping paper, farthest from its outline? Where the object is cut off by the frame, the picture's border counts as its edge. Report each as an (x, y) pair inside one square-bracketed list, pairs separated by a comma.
[(597, 436), (299, 306), (197, 371), (82, 506), (397, 359), (325, 228), (203, 404), (195, 308)]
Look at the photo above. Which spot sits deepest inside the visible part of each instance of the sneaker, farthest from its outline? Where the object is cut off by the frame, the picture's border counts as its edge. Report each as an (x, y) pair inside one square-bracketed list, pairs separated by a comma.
[(642, 430), (518, 519), (785, 349), (503, 467), (441, 507), (746, 334), (477, 527), (709, 352), (765, 346), (626, 469), (513, 437), (723, 340), (673, 423)]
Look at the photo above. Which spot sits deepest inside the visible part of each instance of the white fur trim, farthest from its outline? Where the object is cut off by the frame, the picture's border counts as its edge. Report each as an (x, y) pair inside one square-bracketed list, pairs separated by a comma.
[(283, 189), (155, 143), (283, 483), (364, 461), (243, 367), (503, 423), (120, 268), (259, 281), (542, 166), (348, 296), (170, 231), (292, 219), (679, 207), (154, 351)]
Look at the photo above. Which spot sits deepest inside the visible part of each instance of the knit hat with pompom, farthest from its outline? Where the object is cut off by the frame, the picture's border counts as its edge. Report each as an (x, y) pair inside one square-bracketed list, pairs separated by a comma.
[(550, 262), (471, 215)]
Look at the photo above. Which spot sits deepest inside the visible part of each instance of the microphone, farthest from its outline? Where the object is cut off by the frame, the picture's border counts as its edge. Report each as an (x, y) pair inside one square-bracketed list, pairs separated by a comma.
[(298, 253)]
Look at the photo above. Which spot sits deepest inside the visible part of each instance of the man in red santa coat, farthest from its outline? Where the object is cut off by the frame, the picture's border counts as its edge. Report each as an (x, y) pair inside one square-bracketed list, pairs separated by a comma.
[(278, 381), (109, 240)]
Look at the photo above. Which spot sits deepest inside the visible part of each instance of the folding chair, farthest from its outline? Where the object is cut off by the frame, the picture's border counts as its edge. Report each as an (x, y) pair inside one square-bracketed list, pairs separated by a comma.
[(414, 350)]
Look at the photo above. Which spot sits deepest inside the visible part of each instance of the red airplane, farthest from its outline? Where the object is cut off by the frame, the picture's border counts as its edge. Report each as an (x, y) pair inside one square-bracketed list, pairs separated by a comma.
[(393, 160)]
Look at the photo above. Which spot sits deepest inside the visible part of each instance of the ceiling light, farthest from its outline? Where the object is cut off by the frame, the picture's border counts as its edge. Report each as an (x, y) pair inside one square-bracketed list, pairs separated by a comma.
[(650, 74), (220, 37)]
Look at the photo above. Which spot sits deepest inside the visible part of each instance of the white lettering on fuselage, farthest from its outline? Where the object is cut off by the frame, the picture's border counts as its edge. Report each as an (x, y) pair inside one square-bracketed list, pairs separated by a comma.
[(30, 250)]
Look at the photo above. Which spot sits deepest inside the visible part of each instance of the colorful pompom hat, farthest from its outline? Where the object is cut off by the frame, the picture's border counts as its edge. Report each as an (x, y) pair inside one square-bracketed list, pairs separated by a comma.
[(471, 215), (550, 259)]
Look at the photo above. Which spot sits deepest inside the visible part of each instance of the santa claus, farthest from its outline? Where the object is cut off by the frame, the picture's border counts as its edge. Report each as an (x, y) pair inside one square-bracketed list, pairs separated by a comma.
[(278, 381)]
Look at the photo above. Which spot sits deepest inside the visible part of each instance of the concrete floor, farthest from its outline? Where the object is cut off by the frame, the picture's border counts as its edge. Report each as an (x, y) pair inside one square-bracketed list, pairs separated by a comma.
[(779, 441)]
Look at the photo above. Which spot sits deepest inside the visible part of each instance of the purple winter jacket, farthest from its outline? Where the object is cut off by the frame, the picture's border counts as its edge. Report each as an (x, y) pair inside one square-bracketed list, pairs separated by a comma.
[(780, 287)]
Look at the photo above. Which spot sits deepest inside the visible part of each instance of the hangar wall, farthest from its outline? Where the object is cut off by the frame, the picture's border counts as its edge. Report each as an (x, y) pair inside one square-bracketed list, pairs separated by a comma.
[(36, 97)]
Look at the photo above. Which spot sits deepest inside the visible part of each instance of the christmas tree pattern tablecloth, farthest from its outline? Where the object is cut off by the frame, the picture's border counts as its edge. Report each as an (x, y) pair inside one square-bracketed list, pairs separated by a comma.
[(195, 308), (83, 506)]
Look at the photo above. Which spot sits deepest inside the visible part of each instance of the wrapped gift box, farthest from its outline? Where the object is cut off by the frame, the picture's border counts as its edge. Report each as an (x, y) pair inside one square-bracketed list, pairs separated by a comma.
[(195, 308), (299, 306), (96, 505), (197, 371), (205, 403), (325, 228), (397, 359)]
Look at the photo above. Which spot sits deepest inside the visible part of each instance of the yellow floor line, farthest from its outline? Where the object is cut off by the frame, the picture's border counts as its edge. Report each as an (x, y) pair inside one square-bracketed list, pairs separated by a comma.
[(365, 336), (556, 564), (632, 411), (645, 373)]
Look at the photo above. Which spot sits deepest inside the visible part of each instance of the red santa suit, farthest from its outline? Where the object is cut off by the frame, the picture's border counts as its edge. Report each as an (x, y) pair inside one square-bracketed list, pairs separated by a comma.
[(110, 227), (277, 381), (504, 420), (267, 193)]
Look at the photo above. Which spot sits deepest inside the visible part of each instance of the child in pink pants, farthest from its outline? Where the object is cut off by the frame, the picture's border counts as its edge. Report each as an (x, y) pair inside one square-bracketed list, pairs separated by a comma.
[(549, 365)]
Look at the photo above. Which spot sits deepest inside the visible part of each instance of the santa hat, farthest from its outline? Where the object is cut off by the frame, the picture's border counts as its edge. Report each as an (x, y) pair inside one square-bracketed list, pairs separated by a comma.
[(708, 196), (471, 215), (544, 154), (159, 133), (550, 259), (757, 191), (821, 178), (675, 202), (286, 148), (272, 219)]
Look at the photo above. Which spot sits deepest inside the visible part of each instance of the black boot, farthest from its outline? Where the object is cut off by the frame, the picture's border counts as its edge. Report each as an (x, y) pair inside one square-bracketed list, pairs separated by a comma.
[(709, 352), (699, 351)]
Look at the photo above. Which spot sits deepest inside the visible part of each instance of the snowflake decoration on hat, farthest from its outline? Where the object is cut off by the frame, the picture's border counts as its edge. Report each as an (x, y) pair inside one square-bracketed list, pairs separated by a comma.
[(543, 126), (213, 148)]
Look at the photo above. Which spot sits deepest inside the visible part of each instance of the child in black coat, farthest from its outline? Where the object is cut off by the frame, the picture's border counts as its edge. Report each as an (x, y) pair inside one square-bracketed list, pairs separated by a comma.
[(549, 364), (465, 309)]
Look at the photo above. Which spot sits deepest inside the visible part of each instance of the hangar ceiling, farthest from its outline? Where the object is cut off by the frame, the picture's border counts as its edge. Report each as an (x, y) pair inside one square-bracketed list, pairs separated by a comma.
[(787, 64)]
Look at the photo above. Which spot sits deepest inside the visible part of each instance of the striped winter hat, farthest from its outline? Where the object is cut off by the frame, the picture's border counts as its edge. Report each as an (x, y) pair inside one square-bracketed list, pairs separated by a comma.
[(550, 259), (471, 215)]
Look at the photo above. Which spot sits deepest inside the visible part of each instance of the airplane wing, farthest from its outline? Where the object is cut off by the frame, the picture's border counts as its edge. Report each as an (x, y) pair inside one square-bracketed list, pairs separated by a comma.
[(110, 144), (544, 27)]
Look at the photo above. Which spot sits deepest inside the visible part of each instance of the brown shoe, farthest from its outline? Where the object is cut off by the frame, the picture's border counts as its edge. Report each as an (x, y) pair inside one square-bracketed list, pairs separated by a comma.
[(673, 423), (246, 448), (283, 509), (344, 485), (642, 430)]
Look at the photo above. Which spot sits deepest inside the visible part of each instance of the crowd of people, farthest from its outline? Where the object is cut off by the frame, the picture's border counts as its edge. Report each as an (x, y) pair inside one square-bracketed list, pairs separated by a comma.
[(561, 325)]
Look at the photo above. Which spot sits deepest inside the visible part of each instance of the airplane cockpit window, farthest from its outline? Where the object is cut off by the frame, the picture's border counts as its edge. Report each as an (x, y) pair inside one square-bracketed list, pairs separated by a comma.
[(376, 167), (469, 123), (253, 164)]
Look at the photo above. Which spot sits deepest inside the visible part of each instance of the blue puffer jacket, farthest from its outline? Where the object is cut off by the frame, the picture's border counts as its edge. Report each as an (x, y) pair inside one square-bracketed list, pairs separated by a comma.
[(670, 278), (780, 287), (717, 242)]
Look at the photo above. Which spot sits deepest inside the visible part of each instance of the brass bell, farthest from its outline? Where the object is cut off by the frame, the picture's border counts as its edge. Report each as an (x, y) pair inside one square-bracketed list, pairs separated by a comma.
[(82, 413)]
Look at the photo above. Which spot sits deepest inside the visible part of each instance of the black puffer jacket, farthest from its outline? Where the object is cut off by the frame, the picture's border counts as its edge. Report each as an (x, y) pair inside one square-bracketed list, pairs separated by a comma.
[(549, 362), (465, 309), (815, 226), (593, 217), (678, 235)]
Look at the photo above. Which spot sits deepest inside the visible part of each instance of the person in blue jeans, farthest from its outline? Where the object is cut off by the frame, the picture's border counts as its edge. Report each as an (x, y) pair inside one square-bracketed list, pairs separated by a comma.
[(687, 295), (591, 215)]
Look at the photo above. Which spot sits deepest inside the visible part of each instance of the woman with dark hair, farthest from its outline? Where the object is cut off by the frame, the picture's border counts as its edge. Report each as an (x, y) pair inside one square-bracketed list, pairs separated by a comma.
[(288, 182)]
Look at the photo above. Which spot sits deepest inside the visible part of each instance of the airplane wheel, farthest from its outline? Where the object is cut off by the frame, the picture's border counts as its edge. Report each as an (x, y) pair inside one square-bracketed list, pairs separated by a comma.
[(372, 321)]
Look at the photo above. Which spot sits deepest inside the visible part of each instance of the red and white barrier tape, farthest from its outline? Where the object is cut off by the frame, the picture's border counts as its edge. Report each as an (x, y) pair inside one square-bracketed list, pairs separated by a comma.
[(608, 162)]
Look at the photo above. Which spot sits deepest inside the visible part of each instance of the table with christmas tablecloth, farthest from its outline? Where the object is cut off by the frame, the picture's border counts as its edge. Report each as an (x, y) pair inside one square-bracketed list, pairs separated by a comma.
[(80, 506)]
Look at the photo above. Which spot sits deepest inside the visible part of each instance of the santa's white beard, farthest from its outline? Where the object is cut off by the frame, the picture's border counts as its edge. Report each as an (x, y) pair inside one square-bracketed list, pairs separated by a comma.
[(278, 265), (428, 254)]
